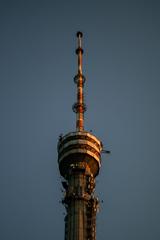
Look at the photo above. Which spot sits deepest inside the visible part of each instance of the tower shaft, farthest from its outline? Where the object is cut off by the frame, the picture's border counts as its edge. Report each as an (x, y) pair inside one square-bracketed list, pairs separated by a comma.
[(76, 206), (80, 203)]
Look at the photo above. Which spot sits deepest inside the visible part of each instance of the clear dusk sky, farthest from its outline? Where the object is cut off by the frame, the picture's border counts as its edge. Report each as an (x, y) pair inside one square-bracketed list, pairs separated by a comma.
[(122, 92)]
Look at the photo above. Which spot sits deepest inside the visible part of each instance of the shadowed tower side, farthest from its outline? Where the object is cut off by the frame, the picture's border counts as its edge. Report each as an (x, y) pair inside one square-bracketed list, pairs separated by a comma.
[(79, 159)]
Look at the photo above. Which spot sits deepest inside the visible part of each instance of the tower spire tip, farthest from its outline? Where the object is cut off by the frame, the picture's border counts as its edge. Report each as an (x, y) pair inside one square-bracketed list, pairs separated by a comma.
[(79, 34)]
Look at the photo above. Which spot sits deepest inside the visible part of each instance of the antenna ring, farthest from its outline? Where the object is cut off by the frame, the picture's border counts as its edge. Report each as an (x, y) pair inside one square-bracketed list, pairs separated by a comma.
[(79, 49), (79, 107), (78, 76)]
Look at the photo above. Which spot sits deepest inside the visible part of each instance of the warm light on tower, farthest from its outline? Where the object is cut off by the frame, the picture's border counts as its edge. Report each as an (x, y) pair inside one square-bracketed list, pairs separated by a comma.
[(79, 159)]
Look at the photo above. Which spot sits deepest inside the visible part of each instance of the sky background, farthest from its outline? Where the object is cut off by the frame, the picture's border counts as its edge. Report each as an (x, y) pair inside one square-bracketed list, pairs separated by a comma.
[(122, 92)]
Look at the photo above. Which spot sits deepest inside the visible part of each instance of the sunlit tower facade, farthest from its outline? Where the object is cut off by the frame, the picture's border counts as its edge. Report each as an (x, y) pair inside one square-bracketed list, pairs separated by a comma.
[(79, 159)]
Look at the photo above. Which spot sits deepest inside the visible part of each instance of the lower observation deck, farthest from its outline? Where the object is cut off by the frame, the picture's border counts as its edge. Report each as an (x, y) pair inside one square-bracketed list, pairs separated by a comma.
[(79, 147)]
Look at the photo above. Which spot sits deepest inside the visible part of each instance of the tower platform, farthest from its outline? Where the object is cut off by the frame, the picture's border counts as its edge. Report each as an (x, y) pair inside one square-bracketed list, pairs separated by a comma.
[(79, 147)]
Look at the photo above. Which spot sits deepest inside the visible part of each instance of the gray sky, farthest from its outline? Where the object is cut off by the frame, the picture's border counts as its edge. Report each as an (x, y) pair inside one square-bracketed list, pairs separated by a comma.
[(122, 92)]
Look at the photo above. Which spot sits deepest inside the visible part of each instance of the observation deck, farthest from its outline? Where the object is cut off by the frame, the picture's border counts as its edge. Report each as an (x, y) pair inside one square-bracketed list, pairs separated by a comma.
[(79, 147)]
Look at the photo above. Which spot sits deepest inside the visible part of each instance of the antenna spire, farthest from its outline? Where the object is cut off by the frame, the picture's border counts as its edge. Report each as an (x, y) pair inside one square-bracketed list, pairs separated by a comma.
[(79, 107)]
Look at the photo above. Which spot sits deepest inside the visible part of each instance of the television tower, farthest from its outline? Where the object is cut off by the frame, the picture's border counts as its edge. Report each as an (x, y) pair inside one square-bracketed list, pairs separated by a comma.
[(79, 159)]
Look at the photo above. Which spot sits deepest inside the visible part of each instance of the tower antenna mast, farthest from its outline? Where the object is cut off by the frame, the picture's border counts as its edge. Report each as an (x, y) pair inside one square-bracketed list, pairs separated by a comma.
[(79, 107)]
